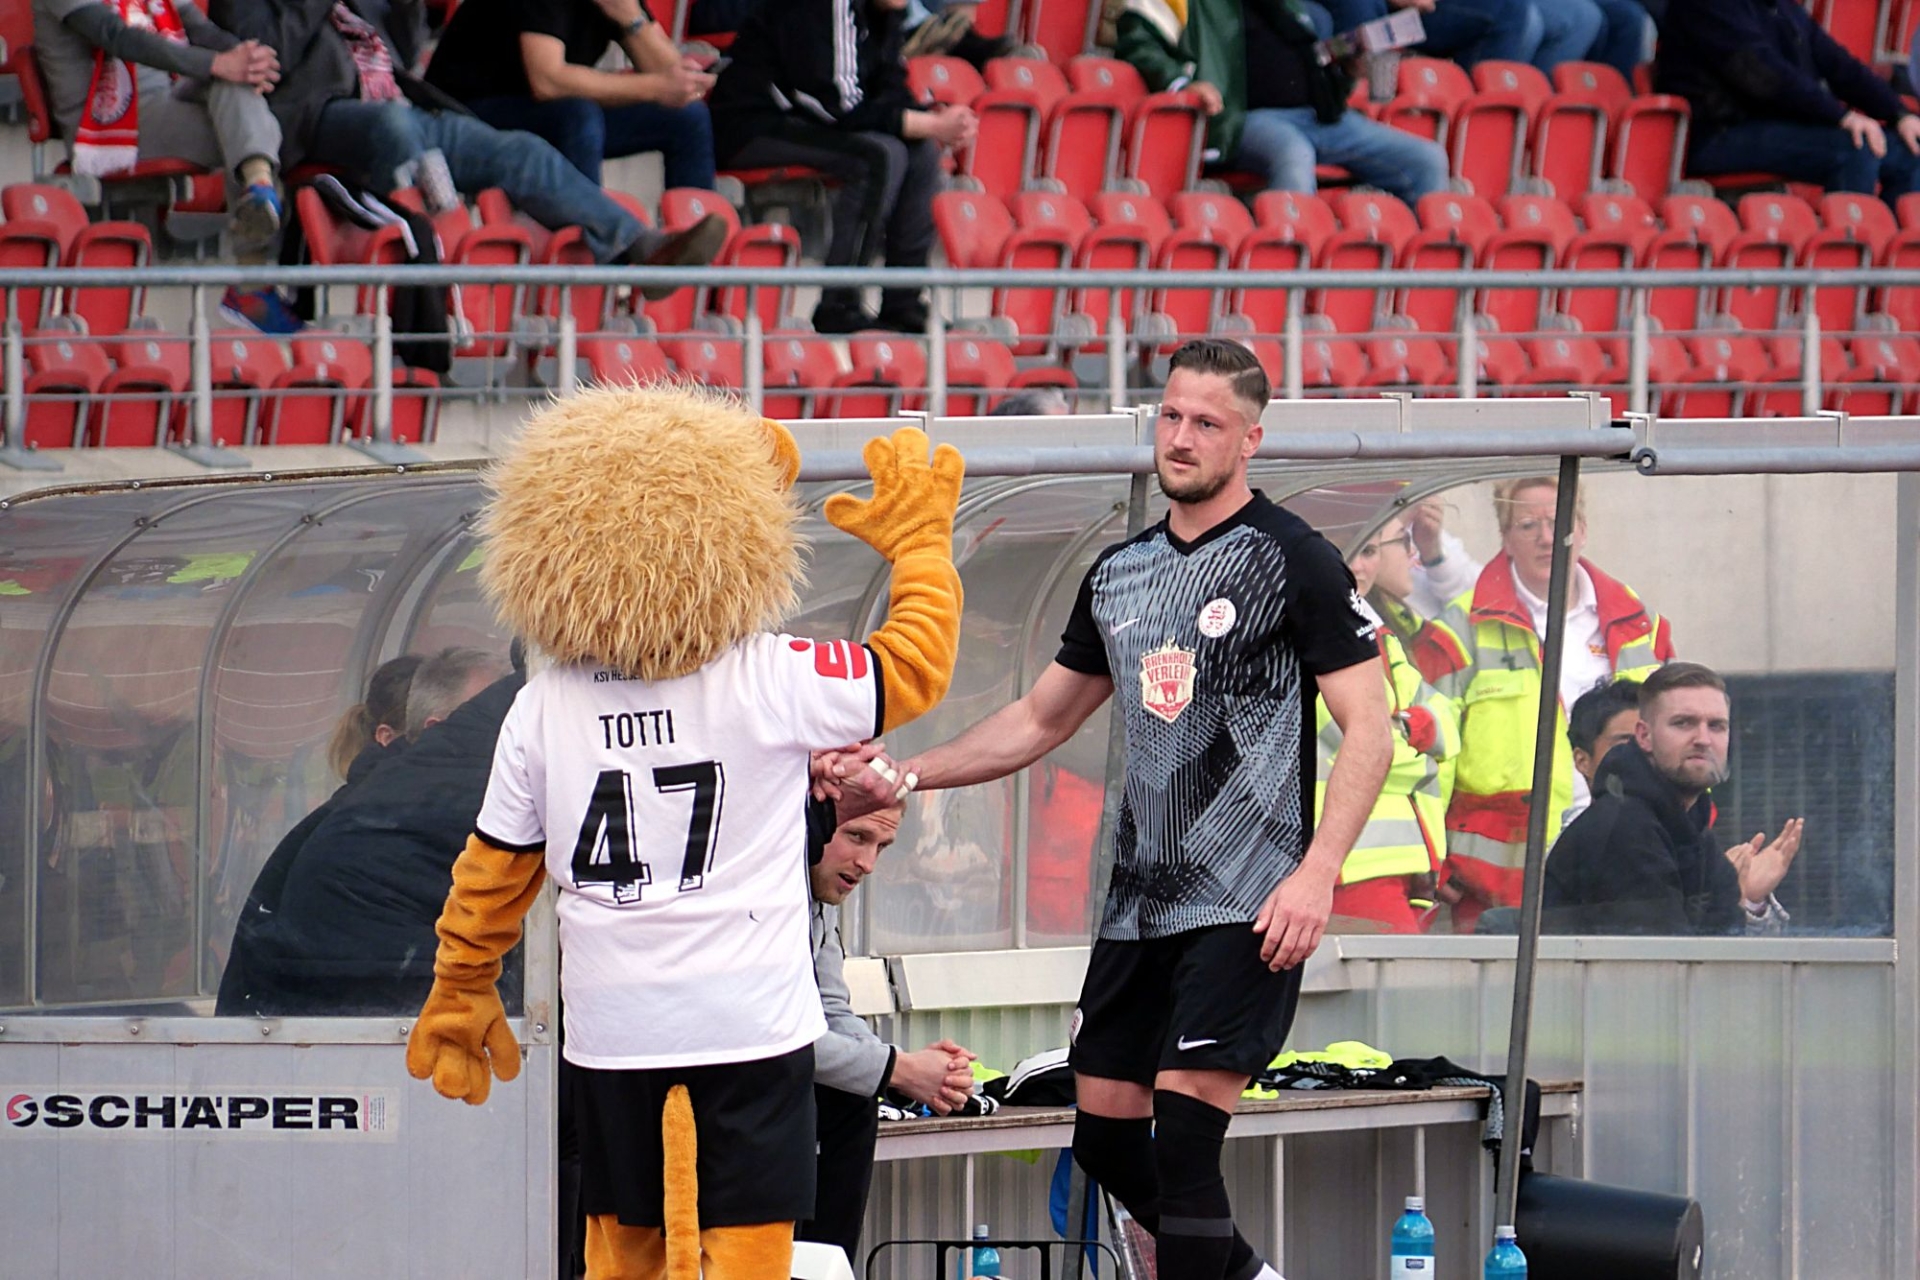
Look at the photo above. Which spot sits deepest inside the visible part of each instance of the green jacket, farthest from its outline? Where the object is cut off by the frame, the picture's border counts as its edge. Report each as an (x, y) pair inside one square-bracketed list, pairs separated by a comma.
[(1173, 42)]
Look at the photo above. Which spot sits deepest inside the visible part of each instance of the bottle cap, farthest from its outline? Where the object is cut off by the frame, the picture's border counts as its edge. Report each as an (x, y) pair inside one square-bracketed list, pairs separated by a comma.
[(1416, 1205), (1504, 1233), (980, 1232)]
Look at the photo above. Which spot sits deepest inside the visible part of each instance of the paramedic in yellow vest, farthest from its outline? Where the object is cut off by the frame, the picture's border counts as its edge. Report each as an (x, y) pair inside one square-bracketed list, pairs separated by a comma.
[(1390, 875), (1609, 632)]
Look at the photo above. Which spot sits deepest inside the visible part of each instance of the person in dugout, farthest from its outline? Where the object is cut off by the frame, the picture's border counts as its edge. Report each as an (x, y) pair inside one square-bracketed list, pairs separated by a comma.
[(1389, 877), (1496, 681)]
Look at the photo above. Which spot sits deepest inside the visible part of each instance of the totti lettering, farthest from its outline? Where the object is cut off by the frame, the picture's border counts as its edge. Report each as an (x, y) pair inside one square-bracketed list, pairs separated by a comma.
[(637, 729)]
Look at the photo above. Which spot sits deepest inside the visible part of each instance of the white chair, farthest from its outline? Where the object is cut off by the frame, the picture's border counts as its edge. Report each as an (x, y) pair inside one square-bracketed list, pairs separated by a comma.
[(815, 1261)]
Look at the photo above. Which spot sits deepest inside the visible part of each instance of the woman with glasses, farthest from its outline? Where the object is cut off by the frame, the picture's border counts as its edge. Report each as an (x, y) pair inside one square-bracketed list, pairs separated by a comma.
[(1496, 683), (1390, 876)]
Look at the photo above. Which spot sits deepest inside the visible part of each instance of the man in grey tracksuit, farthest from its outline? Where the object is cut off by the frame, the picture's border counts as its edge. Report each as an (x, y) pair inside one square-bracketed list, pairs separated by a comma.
[(850, 1063)]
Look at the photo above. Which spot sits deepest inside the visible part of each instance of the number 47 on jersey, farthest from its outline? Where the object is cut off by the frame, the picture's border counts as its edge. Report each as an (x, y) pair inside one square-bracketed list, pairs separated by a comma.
[(604, 852)]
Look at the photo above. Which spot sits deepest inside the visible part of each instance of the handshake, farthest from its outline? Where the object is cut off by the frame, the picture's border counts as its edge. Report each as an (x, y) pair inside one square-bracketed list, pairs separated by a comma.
[(860, 779)]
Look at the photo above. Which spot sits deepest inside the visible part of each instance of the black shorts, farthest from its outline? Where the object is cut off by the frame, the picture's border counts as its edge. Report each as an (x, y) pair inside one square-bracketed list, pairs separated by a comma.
[(1199, 1000), (753, 1125)]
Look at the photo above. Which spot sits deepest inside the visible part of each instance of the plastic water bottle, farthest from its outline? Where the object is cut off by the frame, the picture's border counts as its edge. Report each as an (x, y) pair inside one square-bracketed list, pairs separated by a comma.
[(986, 1258), (1505, 1261), (1413, 1243)]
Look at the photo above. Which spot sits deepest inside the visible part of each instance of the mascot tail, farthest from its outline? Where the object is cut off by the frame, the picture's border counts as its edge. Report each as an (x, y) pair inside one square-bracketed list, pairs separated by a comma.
[(681, 1185)]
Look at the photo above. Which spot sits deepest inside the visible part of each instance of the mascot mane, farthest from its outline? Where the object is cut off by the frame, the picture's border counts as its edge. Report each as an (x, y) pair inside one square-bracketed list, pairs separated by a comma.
[(646, 529)]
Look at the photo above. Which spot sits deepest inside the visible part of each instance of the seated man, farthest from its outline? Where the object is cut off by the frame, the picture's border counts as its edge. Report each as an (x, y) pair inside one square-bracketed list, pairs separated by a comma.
[(850, 1063), (1771, 91), (347, 101), (1600, 719), (528, 64), (1643, 858), (821, 83), (132, 82), (1275, 110), (1467, 31)]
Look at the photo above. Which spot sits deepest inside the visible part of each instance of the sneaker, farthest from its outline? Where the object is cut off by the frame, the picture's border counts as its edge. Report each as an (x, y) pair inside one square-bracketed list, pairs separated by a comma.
[(261, 309), (256, 218), (693, 247), (902, 316), (842, 314)]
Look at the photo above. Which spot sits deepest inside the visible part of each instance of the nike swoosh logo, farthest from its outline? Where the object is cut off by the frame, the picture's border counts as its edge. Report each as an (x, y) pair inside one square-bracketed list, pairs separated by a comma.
[(1184, 1044), (1122, 626)]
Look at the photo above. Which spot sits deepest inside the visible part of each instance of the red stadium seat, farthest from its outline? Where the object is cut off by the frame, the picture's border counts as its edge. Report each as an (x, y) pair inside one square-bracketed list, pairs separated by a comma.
[(1778, 217), (1596, 80), (1006, 147), (1515, 310), (1408, 360), (416, 407), (885, 360), (948, 80), (1047, 82), (1488, 141), (1109, 78), (1906, 209), (1142, 211), (1268, 249), (1863, 218), (1375, 215), (979, 371), (1307, 217), (709, 359), (798, 367), (771, 248), (1470, 219), (1061, 27), (1428, 94), (1166, 134), (1064, 215), (1568, 143), (123, 246), (623, 359), (132, 405), (1331, 361), (1760, 307), (1193, 311), (1113, 246), (244, 365), (1649, 144), (1540, 216), (1499, 361), (1626, 215), (32, 244), (1596, 310), (64, 373), (1224, 218), (309, 404), (1520, 79), (977, 231), (1705, 218), (1902, 302), (1432, 309)]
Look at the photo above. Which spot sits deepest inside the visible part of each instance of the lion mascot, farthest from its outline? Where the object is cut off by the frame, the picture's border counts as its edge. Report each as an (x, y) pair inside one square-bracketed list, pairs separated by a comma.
[(644, 542)]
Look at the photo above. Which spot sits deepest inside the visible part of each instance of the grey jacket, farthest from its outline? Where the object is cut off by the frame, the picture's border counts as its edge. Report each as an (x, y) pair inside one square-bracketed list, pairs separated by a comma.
[(850, 1057)]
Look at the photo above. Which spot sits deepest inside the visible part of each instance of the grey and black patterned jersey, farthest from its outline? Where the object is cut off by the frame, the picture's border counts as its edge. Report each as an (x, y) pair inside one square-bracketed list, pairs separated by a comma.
[(1213, 647)]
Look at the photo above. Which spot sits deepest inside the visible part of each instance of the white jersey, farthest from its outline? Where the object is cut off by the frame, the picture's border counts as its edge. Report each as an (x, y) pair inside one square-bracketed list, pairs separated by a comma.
[(673, 816)]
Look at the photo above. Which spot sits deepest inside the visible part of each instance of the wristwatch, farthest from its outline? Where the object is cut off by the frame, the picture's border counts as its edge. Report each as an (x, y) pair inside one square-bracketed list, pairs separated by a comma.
[(638, 24)]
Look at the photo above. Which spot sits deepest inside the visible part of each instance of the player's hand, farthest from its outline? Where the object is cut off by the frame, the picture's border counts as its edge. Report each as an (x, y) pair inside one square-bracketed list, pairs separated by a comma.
[(913, 502), (931, 1076), (1293, 918), (1211, 101), (250, 63), (822, 767), (460, 1040), (1763, 866), (1908, 129), (1866, 132), (864, 789)]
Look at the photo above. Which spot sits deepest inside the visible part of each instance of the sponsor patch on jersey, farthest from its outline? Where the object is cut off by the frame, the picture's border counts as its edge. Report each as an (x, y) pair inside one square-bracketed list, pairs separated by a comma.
[(1360, 606), (1217, 618), (1166, 680), (836, 659)]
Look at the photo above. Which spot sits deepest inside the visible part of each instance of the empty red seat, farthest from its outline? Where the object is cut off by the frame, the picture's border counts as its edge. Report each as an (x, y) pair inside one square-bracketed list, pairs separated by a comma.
[(1063, 28), (1540, 216), (121, 246), (1408, 360), (1031, 75), (798, 367), (1488, 141), (244, 366), (1857, 217), (1906, 209), (64, 372), (1779, 217), (1113, 246), (979, 371), (131, 408), (620, 358), (309, 401), (1649, 144), (949, 80), (1110, 78), (1428, 93), (1376, 216), (709, 359), (1006, 147), (1629, 215), (1122, 207), (1902, 302), (1519, 79), (885, 360), (1516, 309), (31, 244), (1223, 218), (1166, 135), (977, 231), (1596, 80), (1308, 218), (1468, 218), (1331, 361), (1194, 311)]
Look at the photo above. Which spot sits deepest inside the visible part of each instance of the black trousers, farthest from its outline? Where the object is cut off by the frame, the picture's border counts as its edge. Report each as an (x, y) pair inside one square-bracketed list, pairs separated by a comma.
[(885, 197), (848, 1126)]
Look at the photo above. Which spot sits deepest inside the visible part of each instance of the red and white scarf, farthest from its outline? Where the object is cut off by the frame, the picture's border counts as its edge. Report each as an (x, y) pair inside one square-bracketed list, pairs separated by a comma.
[(370, 56), (108, 139)]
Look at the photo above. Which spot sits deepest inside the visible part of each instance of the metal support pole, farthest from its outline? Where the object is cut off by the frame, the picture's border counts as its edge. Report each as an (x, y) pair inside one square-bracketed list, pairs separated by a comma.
[(1116, 352), (200, 448), (755, 356), (566, 350), (1637, 347), (381, 444), (13, 452), (1295, 345), (936, 360), (1514, 1095), (1810, 359), (1468, 367)]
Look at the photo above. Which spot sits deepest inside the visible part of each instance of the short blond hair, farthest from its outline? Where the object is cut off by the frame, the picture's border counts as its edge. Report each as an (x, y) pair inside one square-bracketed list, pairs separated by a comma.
[(1506, 498)]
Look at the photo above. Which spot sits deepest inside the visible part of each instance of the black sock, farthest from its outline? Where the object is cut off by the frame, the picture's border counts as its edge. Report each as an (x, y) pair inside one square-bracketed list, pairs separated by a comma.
[(1118, 1154), (1196, 1236)]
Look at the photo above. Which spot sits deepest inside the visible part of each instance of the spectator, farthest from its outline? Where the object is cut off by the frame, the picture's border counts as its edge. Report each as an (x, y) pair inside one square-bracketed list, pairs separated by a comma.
[(530, 64), (1034, 402), (851, 1063), (1616, 32), (1390, 875), (1600, 719), (171, 85), (445, 681), (1443, 569), (1770, 90), (1609, 632), (1274, 109), (353, 931), (822, 83), (1467, 31), (349, 101), (369, 732), (1644, 858), (946, 27)]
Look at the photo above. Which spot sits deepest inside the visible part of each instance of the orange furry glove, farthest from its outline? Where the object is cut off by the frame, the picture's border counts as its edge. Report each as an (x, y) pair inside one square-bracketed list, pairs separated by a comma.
[(913, 503), (461, 1034), (909, 520)]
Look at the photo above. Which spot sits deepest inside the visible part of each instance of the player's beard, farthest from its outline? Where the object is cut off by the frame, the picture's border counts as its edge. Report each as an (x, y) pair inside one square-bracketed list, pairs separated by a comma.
[(1199, 489)]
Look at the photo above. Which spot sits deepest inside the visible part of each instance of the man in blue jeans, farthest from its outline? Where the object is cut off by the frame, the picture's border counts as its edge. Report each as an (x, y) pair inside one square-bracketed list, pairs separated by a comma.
[(1771, 91), (346, 100), (530, 64), (1273, 108)]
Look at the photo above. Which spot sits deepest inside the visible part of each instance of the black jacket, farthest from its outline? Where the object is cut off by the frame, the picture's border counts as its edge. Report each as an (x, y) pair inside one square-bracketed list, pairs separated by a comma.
[(835, 64), (316, 66), (1737, 61), (354, 929), (1637, 862)]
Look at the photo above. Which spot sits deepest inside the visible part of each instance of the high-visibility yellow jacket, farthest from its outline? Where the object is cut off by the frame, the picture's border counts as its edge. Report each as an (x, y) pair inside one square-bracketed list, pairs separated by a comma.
[(1404, 834), (1497, 689)]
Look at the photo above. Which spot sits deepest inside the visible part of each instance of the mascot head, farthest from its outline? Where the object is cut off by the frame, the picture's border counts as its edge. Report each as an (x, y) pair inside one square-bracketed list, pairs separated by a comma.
[(647, 529)]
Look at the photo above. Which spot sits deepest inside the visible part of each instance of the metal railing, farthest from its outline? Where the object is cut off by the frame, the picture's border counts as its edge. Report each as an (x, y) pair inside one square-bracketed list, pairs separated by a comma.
[(1121, 344)]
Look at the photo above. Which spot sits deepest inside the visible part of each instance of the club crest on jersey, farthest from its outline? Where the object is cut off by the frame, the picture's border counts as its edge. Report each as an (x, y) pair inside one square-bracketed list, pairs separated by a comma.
[(1166, 680), (1217, 618)]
